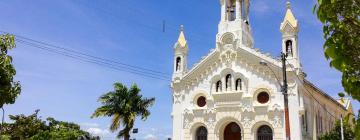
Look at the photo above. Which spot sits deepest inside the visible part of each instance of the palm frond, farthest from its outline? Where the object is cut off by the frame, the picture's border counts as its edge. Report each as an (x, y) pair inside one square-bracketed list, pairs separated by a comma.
[(115, 123), (101, 111)]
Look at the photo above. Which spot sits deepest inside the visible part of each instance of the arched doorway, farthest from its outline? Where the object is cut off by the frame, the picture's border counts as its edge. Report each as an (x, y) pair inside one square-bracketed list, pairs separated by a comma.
[(201, 133), (232, 132), (264, 133)]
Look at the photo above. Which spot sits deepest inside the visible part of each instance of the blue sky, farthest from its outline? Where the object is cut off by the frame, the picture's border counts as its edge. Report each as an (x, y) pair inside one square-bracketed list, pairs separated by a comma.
[(130, 31)]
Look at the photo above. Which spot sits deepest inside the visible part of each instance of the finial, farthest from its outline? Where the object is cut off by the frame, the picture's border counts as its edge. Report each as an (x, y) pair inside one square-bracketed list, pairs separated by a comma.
[(181, 27), (288, 4)]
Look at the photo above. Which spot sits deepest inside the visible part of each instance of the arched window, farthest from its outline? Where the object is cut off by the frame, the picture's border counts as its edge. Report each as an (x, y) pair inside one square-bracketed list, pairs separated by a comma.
[(218, 86), (178, 62), (230, 10), (238, 85), (264, 133), (289, 48), (228, 82), (201, 133)]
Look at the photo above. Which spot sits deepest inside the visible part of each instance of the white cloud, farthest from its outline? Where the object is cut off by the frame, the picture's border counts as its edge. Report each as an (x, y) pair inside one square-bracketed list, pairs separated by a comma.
[(97, 131), (150, 137), (89, 124)]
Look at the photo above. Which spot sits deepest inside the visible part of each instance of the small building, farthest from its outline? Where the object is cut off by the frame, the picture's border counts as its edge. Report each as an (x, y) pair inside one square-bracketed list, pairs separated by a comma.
[(235, 92)]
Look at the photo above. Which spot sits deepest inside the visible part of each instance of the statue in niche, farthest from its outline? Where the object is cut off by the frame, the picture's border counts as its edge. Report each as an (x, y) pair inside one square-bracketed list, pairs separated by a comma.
[(289, 47)]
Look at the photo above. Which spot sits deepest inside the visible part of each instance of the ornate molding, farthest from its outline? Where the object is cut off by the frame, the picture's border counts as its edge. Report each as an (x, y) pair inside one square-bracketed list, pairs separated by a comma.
[(247, 122), (277, 122)]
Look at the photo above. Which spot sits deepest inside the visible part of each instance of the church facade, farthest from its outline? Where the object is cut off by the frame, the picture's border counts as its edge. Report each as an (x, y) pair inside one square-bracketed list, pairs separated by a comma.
[(235, 92)]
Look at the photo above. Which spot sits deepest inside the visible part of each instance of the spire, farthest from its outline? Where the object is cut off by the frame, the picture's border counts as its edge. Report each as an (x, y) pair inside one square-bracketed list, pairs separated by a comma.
[(289, 17), (181, 39)]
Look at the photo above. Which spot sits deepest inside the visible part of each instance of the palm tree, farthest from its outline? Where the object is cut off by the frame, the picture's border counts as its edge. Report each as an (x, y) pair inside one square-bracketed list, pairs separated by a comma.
[(123, 105)]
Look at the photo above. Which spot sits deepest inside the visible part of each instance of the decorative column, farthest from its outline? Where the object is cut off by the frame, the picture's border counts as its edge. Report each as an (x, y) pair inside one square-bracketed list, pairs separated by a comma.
[(223, 82), (233, 84), (238, 10), (223, 10)]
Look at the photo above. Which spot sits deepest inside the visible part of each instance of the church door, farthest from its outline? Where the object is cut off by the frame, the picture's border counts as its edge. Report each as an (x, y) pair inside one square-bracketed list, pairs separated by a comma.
[(232, 132)]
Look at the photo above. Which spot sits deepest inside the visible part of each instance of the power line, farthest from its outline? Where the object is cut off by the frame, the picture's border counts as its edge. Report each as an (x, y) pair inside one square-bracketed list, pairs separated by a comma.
[(88, 55), (94, 61), (311, 94)]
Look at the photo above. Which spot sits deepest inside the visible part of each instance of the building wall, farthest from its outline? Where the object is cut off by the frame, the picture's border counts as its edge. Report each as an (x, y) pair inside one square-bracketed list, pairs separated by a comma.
[(223, 108), (322, 112)]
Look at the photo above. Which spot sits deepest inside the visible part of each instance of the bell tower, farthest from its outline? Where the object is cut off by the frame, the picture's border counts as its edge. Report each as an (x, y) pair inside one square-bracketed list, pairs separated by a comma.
[(235, 20), (180, 57), (289, 29)]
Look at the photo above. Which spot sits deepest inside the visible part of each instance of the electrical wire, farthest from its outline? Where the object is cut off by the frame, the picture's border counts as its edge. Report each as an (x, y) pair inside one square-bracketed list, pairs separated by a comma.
[(310, 93), (94, 61)]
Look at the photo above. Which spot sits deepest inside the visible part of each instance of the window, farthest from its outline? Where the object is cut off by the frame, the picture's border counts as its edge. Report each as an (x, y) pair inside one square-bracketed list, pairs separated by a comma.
[(319, 123), (264, 133), (201, 133), (243, 10), (230, 10), (238, 85), (289, 47), (218, 86), (304, 122), (178, 62), (228, 82), (201, 101), (263, 97)]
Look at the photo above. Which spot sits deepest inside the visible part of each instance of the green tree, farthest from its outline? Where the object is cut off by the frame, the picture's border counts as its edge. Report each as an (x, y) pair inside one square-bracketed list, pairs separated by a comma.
[(62, 130), (123, 105), (341, 19), (9, 89), (335, 133), (24, 127), (33, 128)]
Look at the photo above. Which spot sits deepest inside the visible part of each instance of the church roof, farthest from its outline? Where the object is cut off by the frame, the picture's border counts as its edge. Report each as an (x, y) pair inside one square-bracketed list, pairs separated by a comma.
[(337, 102), (289, 17), (181, 39)]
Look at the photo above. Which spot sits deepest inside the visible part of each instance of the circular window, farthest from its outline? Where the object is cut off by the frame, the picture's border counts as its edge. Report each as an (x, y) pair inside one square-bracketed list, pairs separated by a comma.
[(201, 101), (263, 97)]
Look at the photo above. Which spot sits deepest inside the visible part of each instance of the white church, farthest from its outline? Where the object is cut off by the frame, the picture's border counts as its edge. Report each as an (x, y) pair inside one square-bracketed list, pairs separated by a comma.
[(234, 92)]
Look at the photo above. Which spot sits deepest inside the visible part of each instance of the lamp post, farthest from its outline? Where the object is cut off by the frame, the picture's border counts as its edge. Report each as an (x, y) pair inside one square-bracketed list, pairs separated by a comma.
[(284, 89)]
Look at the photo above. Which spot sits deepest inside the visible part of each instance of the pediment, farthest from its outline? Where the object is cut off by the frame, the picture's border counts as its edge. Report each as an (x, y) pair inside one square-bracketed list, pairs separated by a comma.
[(247, 58), (288, 28)]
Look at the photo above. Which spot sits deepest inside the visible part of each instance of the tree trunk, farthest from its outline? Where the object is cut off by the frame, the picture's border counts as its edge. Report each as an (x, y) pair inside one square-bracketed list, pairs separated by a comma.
[(126, 137)]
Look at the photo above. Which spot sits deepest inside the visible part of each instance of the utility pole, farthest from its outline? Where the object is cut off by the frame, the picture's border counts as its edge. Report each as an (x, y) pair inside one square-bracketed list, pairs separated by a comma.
[(342, 129), (286, 101), (2, 120)]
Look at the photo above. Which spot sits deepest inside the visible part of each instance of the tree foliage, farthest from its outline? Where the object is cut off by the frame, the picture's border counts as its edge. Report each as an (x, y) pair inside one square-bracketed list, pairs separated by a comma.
[(341, 19), (33, 128), (123, 105), (9, 89), (335, 133)]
